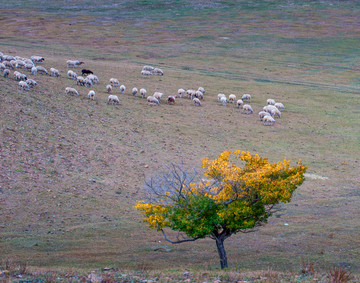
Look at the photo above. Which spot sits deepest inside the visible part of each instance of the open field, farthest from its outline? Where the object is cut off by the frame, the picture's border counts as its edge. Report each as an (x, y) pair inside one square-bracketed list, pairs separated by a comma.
[(71, 169)]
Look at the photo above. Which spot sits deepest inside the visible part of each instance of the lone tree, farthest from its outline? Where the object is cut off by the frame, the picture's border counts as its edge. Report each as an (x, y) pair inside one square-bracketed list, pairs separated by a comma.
[(229, 200)]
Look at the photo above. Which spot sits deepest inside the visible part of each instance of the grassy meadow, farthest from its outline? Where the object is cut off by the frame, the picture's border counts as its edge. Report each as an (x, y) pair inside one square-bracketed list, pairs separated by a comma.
[(72, 169)]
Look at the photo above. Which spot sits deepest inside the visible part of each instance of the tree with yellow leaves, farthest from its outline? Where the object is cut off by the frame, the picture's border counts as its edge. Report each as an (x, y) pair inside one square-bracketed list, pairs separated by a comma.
[(229, 200)]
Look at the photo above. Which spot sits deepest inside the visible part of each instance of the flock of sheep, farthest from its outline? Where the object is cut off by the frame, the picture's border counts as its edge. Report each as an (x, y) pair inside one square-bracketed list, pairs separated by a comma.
[(270, 111)]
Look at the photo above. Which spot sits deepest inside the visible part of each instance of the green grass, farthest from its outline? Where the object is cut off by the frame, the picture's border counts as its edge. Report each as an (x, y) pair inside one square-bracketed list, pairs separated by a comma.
[(72, 169)]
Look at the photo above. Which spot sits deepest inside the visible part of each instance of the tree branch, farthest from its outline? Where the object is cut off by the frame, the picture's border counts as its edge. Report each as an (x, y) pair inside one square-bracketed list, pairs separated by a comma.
[(179, 241)]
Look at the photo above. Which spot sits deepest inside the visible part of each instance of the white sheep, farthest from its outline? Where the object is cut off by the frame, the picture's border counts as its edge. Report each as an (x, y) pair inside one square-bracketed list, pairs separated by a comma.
[(24, 85), (1, 56), (54, 72), (91, 95), (145, 73), (6, 73), (2, 66), (268, 120), (239, 103), (223, 100), (114, 82), (73, 63), (246, 97), (108, 88), (9, 65), (201, 89), (148, 68), (8, 58), (37, 59), (221, 95), (72, 91), (29, 66), (72, 75), (270, 101), (279, 106), (269, 108), (19, 76), (190, 93), (31, 82), (80, 80), (122, 89), (232, 98), (275, 113), (41, 70), (34, 71), (181, 92), (262, 114), (94, 79), (143, 92), (19, 64), (158, 72), (88, 82), (247, 109), (199, 94), (113, 99), (151, 100), (197, 102), (158, 95), (134, 91)]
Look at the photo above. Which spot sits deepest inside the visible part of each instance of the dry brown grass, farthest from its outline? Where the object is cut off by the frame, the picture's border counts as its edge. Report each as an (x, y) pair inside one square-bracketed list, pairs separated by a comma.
[(72, 169)]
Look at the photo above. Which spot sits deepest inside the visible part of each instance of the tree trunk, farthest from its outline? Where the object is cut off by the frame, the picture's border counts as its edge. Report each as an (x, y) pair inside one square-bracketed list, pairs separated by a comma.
[(222, 253)]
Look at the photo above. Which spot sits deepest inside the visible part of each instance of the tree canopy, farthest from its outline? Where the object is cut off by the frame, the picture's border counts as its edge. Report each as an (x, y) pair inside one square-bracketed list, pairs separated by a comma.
[(231, 198)]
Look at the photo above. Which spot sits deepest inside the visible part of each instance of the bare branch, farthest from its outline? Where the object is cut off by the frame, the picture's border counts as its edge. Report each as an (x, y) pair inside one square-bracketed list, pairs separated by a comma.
[(179, 241)]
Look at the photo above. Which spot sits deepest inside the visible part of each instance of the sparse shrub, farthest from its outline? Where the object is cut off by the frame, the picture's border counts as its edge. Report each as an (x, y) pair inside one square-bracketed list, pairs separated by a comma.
[(339, 275)]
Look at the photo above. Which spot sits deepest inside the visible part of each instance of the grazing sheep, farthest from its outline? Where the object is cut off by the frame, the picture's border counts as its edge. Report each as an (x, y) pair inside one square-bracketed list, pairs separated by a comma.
[(268, 108), (134, 91), (72, 91), (270, 101), (151, 100), (148, 68), (246, 97), (190, 93), (73, 63), (239, 103), (262, 114), (2, 66), (34, 71), (158, 72), (199, 94), (158, 95), (28, 66), (31, 82), (145, 73), (9, 65), (114, 82), (247, 109), (279, 106), (268, 120), (88, 82), (108, 88), (8, 58), (24, 85), (41, 70), (181, 92), (143, 92), (6, 73), (86, 72), (37, 59), (171, 100), (221, 95), (19, 76), (80, 80), (223, 100), (28, 61), (93, 78), (197, 101), (275, 113), (54, 72), (113, 99), (19, 64), (91, 95), (122, 89), (232, 98), (201, 89), (72, 75)]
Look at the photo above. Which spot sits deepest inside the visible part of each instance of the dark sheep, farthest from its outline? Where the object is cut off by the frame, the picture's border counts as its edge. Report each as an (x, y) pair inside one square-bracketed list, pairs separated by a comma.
[(86, 72)]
